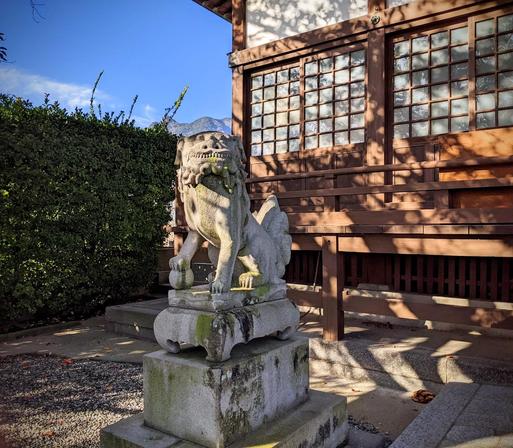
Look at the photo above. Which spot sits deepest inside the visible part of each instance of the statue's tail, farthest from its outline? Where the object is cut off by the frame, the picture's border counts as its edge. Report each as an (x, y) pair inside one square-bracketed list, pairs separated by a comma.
[(276, 224)]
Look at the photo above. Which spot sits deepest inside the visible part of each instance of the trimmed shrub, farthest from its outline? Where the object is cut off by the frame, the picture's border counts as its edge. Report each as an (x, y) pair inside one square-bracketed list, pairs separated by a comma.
[(83, 203)]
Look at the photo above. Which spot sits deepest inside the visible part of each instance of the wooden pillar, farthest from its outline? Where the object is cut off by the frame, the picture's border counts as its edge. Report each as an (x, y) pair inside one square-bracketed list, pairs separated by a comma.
[(376, 6), (375, 113), (330, 202), (238, 102), (332, 286), (238, 24), (238, 43)]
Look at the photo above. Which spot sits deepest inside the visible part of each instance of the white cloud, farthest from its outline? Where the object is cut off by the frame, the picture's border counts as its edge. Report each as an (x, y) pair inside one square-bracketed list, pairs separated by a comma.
[(33, 87), (148, 116), (27, 85)]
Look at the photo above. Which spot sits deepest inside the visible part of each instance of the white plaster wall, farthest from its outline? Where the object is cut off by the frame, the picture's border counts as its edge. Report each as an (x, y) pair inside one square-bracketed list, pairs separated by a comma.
[(391, 3), (269, 20)]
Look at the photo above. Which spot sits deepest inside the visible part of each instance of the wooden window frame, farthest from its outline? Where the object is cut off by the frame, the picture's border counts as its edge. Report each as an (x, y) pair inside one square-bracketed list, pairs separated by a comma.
[(250, 104), (300, 62), (470, 21), (349, 49), (495, 15), (409, 37)]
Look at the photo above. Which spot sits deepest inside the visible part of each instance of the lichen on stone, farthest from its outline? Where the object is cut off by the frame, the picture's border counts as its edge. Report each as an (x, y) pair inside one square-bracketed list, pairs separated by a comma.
[(234, 422), (203, 327)]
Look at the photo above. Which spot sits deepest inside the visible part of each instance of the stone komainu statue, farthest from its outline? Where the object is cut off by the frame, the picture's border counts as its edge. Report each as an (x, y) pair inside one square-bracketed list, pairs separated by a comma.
[(247, 250)]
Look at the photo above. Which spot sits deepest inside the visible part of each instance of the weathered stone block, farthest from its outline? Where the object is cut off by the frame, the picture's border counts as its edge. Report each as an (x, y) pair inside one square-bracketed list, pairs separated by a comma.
[(220, 330), (320, 422), (132, 433), (216, 404)]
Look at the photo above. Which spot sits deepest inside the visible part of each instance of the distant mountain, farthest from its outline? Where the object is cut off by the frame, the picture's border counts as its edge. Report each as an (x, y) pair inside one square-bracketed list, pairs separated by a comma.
[(200, 125)]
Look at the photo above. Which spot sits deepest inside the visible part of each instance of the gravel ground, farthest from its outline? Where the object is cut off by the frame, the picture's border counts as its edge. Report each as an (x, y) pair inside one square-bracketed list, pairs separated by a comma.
[(47, 401), (52, 402)]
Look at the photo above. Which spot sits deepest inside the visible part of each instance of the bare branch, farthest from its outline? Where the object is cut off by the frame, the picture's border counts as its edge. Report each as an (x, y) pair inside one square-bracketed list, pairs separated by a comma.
[(132, 107), (36, 14), (91, 101)]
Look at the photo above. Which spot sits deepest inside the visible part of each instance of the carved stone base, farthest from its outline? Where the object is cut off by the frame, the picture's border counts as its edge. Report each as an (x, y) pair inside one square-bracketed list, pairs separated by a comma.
[(259, 397), (219, 331), (216, 404), (200, 297), (320, 422)]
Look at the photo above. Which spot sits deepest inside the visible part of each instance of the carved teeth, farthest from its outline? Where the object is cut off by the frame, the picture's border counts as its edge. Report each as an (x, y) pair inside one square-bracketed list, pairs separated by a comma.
[(208, 155)]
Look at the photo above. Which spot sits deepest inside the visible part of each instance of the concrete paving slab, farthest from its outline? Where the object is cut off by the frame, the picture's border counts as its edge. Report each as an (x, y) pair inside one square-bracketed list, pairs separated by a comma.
[(429, 429), (134, 434), (87, 339), (463, 416), (369, 405), (364, 439), (392, 356)]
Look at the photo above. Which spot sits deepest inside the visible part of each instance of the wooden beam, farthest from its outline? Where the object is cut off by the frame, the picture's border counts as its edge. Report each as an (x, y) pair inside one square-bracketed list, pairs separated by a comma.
[(412, 187), (305, 296), (332, 290), (388, 217), (476, 162), (222, 8), (303, 242), (464, 247)]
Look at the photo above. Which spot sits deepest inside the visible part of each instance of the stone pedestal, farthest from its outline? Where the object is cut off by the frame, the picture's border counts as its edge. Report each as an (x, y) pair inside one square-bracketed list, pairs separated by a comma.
[(218, 322), (216, 404), (249, 391)]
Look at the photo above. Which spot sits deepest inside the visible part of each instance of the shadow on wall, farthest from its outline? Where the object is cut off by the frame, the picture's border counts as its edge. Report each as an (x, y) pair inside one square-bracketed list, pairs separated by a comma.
[(270, 20)]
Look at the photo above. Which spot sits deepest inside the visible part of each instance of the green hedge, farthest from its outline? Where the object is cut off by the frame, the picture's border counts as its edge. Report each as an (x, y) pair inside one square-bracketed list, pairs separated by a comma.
[(83, 202)]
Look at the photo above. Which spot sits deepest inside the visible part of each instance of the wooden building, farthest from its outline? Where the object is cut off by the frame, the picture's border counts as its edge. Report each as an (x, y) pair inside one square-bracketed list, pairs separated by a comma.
[(385, 127)]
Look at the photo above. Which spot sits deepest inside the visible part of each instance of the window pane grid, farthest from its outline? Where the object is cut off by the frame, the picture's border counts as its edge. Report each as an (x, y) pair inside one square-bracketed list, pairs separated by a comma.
[(494, 72), (334, 92), (430, 83), (275, 114)]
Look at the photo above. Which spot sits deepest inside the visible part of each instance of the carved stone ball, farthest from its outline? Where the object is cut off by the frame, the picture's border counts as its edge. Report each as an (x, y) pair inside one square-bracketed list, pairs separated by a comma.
[(181, 279)]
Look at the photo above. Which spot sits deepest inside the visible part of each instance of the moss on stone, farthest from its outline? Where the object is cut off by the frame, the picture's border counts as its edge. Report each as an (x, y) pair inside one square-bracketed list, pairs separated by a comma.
[(300, 360), (235, 422), (203, 327), (244, 317), (261, 291)]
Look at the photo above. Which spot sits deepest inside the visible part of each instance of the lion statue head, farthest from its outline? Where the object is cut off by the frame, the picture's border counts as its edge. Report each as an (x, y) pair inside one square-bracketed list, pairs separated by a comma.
[(210, 153)]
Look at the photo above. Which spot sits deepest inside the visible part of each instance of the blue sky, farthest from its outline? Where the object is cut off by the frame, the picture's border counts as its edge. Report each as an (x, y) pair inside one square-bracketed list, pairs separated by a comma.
[(152, 48)]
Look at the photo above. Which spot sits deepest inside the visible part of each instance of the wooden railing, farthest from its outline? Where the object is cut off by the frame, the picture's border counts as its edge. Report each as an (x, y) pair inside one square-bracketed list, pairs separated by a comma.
[(423, 185), (455, 163)]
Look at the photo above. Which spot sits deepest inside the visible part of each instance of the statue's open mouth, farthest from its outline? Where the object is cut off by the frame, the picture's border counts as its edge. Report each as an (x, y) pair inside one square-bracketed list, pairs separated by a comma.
[(211, 155)]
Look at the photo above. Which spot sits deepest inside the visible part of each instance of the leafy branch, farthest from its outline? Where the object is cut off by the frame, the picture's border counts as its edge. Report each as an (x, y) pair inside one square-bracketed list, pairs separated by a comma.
[(3, 50), (171, 111)]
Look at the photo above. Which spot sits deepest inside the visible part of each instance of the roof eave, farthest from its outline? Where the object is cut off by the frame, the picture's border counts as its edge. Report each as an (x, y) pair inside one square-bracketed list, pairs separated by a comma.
[(218, 9)]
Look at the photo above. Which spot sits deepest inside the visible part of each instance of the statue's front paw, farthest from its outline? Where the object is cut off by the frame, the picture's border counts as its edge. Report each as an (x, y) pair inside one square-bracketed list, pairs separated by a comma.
[(179, 263), (250, 280), (218, 286)]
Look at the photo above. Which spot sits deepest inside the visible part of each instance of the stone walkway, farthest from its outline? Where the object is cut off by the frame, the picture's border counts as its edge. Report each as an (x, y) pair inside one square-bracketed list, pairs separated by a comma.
[(368, 403), (373, 408), (463, 416)]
